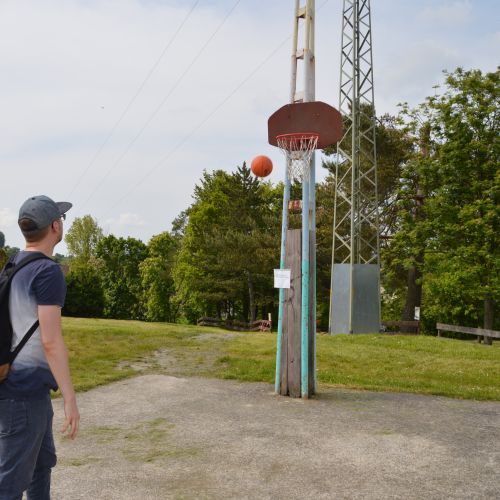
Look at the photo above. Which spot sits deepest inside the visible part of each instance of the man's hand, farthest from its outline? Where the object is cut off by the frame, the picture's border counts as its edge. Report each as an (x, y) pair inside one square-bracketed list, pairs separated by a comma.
[(72, 420), (57, 357)]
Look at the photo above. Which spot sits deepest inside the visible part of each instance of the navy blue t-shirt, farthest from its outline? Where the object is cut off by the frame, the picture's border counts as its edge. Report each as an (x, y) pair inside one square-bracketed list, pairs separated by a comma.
[(39, 283)]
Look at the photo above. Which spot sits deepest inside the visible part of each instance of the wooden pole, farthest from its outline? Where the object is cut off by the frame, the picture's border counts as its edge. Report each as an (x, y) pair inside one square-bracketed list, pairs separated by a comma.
[(290, 372), (284, 229)]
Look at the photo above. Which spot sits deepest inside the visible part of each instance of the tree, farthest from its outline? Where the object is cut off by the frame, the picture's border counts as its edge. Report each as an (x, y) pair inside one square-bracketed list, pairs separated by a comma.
[(2, 239), (406, 237), (445, 235), (157, 280), (84, 297), (121, 278), (83, 237), (230, 246), (463, 253)]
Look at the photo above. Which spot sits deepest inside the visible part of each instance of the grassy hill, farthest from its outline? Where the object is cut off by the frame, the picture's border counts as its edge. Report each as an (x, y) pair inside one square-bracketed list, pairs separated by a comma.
[(103, 351)]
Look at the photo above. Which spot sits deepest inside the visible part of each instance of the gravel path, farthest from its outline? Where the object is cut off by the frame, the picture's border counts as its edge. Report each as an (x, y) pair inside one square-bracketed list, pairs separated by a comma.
[(161, 437)]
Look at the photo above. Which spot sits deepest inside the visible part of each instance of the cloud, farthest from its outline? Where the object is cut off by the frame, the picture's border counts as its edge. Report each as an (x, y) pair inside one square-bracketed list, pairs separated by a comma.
[(7, 217), (126, 219), (411, 73), (451, 13)]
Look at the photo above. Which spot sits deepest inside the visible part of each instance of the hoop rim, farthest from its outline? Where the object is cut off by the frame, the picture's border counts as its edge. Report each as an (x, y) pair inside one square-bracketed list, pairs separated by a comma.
[(289, 138), (298, 135)]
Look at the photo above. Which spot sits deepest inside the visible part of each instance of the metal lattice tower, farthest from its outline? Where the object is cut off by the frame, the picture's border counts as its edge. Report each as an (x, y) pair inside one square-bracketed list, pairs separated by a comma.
[(355, 295)]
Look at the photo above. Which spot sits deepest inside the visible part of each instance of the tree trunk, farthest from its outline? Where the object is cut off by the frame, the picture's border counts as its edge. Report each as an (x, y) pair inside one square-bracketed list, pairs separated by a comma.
[(251, 298), (414, 293), (413, 297), (489, 317), (246, 308)]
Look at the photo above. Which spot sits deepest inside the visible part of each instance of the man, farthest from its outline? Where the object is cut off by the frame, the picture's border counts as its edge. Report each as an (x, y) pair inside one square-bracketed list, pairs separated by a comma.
[(27, 451)]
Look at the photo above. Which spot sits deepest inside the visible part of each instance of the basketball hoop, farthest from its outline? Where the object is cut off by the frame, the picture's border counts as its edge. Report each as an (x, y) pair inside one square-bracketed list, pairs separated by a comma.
[(298, 149)]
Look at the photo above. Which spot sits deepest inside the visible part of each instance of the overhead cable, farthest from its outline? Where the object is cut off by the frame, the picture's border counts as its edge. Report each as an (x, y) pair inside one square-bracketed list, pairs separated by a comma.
[(134, 97), (158, 108), (205, 120)]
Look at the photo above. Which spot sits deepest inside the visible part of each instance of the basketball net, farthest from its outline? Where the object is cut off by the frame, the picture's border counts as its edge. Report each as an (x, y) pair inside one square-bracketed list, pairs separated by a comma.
[(298, 149)]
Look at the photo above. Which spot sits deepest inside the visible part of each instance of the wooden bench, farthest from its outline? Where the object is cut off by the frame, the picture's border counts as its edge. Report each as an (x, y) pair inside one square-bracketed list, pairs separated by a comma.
[(413, 326), (481, 333), (261, 325)]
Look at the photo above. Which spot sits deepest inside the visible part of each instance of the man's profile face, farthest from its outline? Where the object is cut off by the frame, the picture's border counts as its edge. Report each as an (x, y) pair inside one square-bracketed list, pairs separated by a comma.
[(59, 224)]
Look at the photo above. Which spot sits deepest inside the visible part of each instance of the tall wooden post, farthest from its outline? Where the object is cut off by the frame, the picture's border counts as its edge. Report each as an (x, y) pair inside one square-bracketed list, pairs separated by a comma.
[(303, 313)]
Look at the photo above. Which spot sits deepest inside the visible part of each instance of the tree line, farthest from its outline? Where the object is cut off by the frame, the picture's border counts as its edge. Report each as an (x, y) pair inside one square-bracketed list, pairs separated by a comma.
[(439, 210)]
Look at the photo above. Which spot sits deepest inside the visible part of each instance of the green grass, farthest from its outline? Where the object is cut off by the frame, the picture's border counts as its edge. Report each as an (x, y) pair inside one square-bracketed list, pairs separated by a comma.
[(103, 351), (97, 347)]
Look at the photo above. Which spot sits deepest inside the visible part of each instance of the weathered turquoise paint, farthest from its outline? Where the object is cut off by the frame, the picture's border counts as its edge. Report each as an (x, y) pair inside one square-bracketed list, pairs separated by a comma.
[(304, 331), (312, 222), (284, 228)]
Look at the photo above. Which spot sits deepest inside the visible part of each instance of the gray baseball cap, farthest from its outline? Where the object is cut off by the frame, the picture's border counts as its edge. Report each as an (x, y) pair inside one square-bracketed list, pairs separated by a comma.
[(42, 211)]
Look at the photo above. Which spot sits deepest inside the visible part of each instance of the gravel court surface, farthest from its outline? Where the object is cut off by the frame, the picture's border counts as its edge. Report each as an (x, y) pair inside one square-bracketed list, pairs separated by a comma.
[(162, 437)]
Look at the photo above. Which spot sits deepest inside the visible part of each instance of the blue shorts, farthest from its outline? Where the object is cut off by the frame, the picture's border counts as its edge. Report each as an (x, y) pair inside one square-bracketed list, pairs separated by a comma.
[(27, 451)]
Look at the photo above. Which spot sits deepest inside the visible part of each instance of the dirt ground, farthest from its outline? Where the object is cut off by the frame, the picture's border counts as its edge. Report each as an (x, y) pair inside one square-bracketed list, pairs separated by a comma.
[(162, 437)]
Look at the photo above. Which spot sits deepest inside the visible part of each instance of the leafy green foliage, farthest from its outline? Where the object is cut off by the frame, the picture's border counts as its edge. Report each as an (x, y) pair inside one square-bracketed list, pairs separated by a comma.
[(230, 246), (11, 250), (446, 206), (83, 237), (464, 211), (121, 277), (157, 280), (3, 257), (85, 296)]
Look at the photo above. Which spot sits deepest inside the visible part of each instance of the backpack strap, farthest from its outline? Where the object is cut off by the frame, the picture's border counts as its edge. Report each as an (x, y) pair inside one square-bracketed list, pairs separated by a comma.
[(25, 339), (17, 267), (24, 262)]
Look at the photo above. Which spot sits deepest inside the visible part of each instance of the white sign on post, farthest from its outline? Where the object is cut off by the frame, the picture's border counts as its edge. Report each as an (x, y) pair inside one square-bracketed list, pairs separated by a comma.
[(282, 278)]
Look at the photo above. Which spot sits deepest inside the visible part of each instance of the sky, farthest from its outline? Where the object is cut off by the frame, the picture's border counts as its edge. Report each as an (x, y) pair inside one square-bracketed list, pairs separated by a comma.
[(120, 105)]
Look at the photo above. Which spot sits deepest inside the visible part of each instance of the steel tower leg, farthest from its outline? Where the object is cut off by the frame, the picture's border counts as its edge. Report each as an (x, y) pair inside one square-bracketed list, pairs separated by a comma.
[(355, 278)]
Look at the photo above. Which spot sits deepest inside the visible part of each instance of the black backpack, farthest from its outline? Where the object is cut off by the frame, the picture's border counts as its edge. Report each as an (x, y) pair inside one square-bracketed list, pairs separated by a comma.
[(8, 272)]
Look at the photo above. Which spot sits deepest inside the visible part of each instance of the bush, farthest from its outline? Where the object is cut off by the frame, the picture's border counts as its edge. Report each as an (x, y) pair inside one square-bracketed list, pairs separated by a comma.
[(85, 297)]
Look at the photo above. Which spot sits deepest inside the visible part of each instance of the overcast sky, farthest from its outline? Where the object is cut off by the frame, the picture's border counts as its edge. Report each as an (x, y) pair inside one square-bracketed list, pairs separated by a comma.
[(95, 111)]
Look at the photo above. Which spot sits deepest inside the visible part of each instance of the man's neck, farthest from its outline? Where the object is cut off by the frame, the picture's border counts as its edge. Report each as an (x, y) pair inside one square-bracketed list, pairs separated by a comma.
[(46, 248)]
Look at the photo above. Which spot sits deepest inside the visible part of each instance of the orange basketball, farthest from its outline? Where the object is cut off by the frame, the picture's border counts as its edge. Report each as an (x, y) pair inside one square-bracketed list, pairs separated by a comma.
[(261, 166)]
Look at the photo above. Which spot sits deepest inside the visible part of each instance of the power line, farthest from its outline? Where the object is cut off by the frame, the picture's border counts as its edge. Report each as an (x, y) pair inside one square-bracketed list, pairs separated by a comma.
[(205, 120), (158, 108), (135, 96)]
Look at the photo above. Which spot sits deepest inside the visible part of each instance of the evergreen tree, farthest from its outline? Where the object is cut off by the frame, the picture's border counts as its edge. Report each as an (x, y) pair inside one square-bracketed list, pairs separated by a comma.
[(230, 246), (157, 280)]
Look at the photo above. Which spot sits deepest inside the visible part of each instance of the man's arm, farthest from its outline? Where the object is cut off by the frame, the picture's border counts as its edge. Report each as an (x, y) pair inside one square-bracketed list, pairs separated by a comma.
[(57, 357)]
